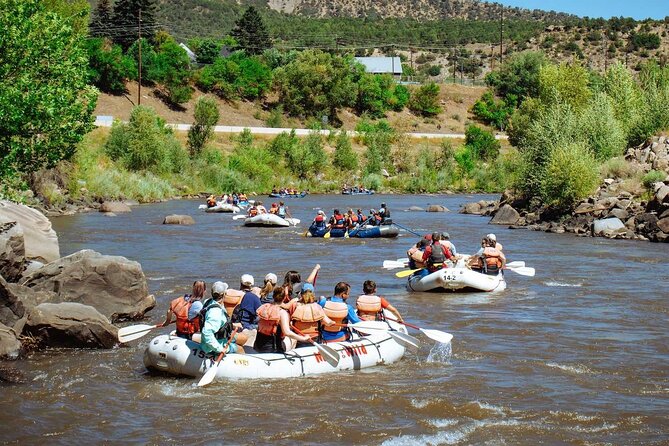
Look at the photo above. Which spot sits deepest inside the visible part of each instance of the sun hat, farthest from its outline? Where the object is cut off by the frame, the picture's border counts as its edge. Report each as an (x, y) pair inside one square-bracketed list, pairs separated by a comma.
[(492, 237), (271, 277), (247, 280), (219, 288)]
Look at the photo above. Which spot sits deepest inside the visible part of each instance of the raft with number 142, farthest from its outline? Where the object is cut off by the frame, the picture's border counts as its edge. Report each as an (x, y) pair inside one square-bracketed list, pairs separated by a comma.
[(178, 356)]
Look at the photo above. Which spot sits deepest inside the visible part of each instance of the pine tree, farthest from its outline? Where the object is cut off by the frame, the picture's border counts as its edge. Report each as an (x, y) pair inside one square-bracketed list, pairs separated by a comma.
[(126, 21), (251, 33), (101, 20)]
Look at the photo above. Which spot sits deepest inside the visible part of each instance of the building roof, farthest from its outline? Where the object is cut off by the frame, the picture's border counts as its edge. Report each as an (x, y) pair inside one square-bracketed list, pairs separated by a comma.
[(380, 65)]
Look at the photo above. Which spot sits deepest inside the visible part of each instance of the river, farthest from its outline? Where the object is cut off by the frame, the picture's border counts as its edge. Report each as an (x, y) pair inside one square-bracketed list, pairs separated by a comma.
[(578, 354)]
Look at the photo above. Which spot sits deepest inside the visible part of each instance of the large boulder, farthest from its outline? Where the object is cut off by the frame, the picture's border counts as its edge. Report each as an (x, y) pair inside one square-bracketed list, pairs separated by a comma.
[(114, 285), (70, 324), (176, 219), (10, 347), (505, 216), (116, 207), (415, 209), (12, 250), (436, 208), (663, 225), (41, 242), (609, 225), (12, 307), (471, 208)]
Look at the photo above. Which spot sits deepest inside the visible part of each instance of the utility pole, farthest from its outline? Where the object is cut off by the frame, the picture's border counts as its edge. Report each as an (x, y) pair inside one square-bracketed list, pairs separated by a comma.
[(501, 35), (139, 33)]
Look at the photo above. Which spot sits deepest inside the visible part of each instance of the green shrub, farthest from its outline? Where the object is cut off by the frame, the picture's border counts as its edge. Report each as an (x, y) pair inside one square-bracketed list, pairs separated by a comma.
[(652, 177), (481, 143), (275, 118), (490, 111), (571, 174), (206, 117), (344, 157), (425, 100), (108, 67), (601, 130), (372, 181), (143, 143)]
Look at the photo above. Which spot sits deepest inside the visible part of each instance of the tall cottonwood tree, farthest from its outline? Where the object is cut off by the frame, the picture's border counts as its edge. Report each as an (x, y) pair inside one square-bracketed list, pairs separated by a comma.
[(251, 33), (46, 106)]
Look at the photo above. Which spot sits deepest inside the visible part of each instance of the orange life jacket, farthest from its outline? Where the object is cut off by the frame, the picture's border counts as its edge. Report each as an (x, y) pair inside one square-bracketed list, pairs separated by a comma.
[(307, 319), (269, 317), (231, 299), (337, 311), (493, 258), (354, 218), (369, 307), (180, 307)]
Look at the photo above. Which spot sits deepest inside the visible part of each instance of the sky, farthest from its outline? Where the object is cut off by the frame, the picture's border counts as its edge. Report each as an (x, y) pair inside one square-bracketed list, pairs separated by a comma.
[(638, 9)]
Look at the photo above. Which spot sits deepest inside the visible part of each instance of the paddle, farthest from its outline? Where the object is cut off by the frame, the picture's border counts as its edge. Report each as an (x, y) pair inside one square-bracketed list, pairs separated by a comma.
[(209, 376), (132, 332), (407, 229), (408, 272), (405, 340), (392, 264), (522, 270), (239, 217), (327, 234), (328, 353), (346, 233), (437, 335)]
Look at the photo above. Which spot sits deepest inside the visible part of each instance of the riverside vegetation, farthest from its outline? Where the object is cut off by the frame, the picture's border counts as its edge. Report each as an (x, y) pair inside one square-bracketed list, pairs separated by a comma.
[(563, 119)]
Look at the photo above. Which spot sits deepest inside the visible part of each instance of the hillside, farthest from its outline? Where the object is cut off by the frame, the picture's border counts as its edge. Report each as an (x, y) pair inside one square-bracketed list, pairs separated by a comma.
[(455, 100)]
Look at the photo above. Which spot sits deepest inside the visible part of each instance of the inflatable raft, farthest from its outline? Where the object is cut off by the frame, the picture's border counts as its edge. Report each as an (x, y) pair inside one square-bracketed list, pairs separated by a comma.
[(177, 356), (457, 279), (278, 195), (270, 220), (386, 231), (357, 192), (220, 207)]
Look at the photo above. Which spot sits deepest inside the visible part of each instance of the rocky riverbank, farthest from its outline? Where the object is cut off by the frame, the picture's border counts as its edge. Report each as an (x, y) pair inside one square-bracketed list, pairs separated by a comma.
[(52, 301), (616, 210)]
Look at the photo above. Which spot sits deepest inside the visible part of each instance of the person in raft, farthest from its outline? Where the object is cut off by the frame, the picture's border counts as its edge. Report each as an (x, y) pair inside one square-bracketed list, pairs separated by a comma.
[(307, 317), (489, 259), (217, 326), (274, 326), (370, 306), (185, 309), (340, 312)]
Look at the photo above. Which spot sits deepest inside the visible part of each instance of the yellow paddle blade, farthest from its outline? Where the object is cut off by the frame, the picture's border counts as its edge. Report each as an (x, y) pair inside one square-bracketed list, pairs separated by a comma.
[(306, 233), (346, 234), (406, 272), (327, 235)]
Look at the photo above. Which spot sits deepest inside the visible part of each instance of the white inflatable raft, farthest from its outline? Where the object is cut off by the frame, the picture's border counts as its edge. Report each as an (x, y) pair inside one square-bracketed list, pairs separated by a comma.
[(178, 356), (220, 207), (457, 279), (270, 220)]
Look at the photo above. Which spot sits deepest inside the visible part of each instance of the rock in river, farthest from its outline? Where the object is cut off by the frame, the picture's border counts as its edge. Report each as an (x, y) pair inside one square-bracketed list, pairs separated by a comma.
[(41, 242), (176, 219)]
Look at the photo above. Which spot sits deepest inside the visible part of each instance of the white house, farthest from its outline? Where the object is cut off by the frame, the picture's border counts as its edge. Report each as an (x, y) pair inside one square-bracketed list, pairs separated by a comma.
[(382, 65)]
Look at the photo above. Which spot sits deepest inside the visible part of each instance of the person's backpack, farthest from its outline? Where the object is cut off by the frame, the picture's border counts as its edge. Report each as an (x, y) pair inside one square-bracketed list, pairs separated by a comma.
[(226, 329)]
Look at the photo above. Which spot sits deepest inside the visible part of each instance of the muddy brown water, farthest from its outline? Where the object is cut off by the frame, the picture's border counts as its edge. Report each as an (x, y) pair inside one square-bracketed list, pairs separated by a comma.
[(578, 354)]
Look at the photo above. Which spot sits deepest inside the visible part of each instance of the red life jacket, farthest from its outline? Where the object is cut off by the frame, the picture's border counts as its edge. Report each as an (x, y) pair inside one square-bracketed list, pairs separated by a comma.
[(354, 218), (338, 221), (180, 307), (319, 218)]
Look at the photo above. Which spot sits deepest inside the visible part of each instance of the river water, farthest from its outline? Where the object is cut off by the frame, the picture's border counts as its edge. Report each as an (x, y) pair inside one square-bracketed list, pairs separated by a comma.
[(578, 354)]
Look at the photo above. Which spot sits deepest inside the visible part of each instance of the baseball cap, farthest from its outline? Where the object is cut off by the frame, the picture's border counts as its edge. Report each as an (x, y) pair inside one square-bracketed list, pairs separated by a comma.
[(247, 280), (492, 237), (307, 287), (321, 212), (219, 288), (445, 236), (271, 277)]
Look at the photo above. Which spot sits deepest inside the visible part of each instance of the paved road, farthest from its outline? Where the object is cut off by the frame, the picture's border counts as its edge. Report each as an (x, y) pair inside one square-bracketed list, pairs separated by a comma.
[(106, 121)]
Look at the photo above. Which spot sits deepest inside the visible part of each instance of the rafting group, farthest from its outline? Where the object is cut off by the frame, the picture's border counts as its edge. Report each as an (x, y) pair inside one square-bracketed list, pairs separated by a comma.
[(272, 318), (353, 224), (287, 193), (356, 190), (234, 199)]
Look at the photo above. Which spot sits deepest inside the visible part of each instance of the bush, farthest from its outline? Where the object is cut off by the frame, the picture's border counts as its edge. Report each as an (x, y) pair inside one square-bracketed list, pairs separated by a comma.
[(144, 143), (482, 144), (425, 100), (275, 118), (490, 111), (652, 177), (571, 175), (344, 157), (433, 70), (519, 75), (601, 130), (107, 66), (206, 117)]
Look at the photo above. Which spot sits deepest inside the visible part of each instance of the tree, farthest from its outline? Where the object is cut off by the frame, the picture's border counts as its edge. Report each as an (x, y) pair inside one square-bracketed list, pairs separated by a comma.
[(316, 84), (102, 19), (46, 106), (344, 157), (481, 143), (519, 75), (108, 67), (126, 20), (206, 117), (251, 33), (425, 100)]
